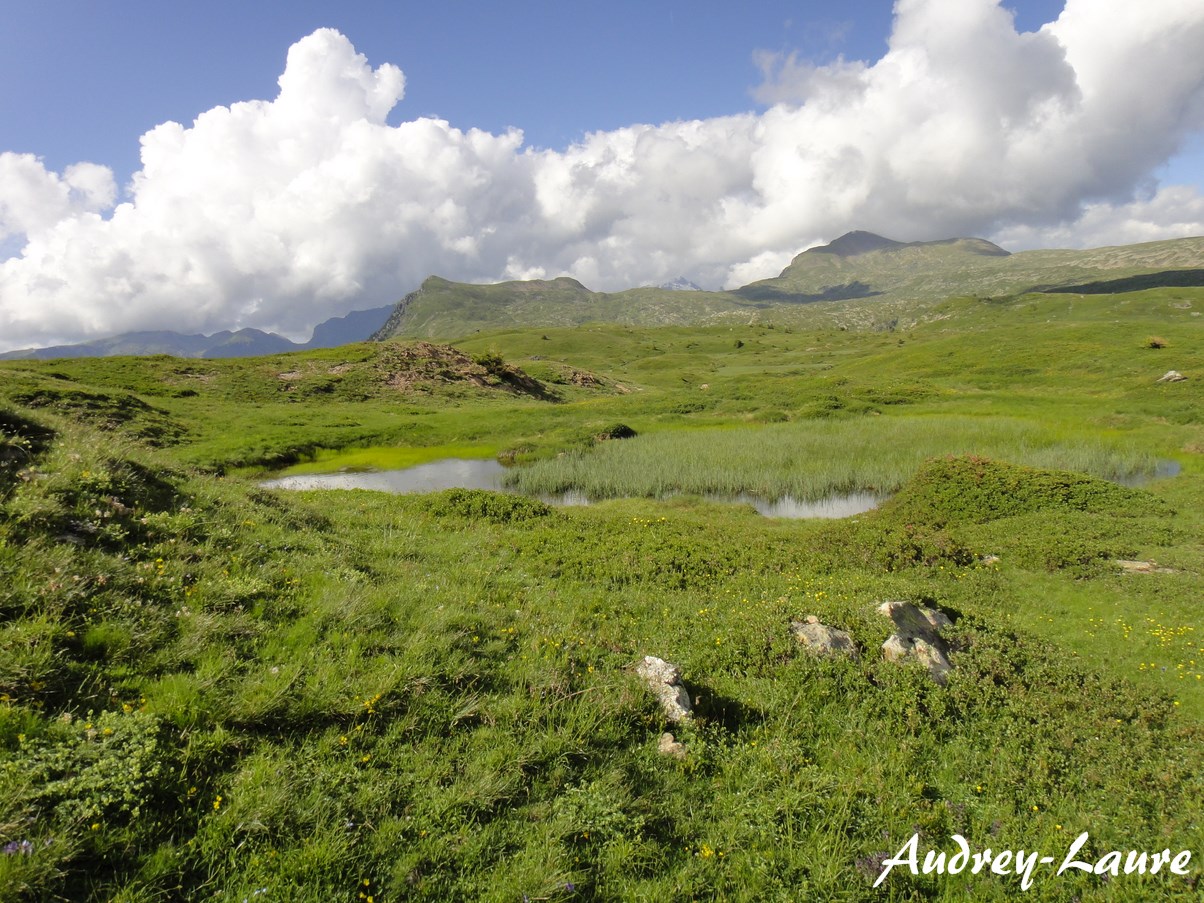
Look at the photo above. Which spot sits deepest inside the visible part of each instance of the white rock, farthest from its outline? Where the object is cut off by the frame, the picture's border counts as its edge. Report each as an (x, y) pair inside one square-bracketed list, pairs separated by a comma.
[(664, 680)]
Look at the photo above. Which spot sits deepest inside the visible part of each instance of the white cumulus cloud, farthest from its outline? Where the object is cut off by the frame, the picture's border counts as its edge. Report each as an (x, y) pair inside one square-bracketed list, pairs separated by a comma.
[(33, 199), (280, 213)]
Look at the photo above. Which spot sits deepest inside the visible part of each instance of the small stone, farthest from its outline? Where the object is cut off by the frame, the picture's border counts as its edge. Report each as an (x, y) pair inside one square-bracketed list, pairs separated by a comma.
[(669, 746), (820, 639), (664, 680)]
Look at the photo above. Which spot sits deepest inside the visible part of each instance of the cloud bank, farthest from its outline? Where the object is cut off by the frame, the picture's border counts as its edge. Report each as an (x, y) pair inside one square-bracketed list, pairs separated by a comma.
[(280, 213)]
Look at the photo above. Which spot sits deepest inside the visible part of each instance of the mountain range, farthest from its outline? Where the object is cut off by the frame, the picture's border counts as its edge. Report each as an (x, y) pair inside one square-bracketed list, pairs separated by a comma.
[(353, 327), (877, 278)]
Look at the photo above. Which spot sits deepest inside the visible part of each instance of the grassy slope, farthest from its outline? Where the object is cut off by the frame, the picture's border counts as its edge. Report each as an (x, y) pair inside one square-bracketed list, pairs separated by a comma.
[(434, 695), (884, 288), (938, 270)]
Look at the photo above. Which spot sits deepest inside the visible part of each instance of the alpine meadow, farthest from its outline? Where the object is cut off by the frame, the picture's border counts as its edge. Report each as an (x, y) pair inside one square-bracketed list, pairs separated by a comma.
[(217, 690), (639, 452)]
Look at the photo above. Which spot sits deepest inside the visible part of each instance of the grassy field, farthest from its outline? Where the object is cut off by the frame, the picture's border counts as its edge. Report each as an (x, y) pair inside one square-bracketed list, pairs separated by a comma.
[(213, 691)]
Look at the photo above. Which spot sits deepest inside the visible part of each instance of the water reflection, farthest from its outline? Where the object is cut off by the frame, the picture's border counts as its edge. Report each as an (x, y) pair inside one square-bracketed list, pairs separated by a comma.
[(842, 505), (449, 473), (1162, 469)]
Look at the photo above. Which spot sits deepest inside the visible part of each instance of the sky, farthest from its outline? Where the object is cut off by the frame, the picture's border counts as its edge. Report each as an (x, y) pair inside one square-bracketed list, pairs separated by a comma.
[(208, 166)]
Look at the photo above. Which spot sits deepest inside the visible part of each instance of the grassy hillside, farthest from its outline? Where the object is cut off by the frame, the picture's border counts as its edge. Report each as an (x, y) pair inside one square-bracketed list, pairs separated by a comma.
[(859, 279), (212, 691)]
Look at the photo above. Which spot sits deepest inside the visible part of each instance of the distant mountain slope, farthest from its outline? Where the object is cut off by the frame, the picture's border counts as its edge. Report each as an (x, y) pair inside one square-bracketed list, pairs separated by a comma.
[(353, 327), (682, 284), (447, 309), (243, 343), (885, 276), (860, 265)]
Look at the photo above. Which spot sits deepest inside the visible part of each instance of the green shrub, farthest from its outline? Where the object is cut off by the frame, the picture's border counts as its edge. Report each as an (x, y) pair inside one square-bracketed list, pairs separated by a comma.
[(481, 504), (973, 489), (615, 431)]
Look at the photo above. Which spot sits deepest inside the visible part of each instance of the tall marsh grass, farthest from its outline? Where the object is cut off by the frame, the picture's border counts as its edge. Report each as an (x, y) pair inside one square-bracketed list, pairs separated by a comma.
[(809, 460)]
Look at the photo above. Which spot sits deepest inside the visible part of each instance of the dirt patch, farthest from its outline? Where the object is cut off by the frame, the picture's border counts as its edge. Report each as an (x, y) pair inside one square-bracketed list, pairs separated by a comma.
[(584, 379)]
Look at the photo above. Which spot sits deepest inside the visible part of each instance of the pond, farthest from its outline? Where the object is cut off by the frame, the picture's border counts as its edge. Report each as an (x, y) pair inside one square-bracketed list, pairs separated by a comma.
[(463, 473), (486, 473), (449, 473)]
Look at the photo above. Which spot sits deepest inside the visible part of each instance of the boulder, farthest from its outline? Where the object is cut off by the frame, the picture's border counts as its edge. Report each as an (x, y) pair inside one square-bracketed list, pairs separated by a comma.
[(917, 637), (821, 639), (664, 680)]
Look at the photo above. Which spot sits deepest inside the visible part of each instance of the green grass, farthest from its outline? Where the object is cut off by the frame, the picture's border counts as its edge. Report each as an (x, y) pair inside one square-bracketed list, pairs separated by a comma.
[(387, 458), (813, 459), (211, 691)]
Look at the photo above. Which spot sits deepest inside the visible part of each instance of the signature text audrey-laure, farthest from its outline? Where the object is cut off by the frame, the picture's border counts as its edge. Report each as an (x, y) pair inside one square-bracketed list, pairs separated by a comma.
[(1115, 863)]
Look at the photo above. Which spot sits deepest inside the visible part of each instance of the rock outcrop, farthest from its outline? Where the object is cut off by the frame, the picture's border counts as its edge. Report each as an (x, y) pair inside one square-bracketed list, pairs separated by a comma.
[(917, 637)]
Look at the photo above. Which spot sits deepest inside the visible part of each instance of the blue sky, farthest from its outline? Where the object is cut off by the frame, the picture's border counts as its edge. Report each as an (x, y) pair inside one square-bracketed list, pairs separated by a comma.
[(220, 165), (83, 80)]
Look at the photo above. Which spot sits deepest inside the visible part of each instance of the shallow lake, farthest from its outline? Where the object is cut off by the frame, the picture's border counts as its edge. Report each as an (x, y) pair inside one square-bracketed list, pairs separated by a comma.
[(462, 473)]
